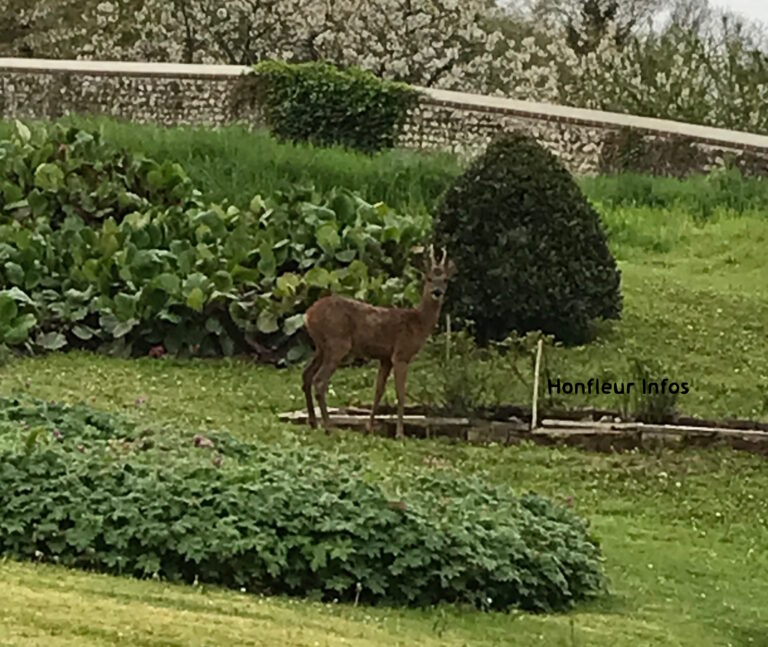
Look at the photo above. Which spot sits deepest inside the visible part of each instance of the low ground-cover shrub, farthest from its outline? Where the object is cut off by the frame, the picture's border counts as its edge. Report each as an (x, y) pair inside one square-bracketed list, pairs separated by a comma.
[(322, 104), (76, 488), (188, 275)]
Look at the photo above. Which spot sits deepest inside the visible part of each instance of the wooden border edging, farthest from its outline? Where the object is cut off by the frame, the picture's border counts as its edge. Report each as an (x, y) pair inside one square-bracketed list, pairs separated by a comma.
[(586, 434), (734, 139)]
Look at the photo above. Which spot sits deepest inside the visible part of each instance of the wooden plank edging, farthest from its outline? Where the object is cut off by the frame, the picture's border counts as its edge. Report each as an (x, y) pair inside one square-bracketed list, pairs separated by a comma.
[(514, 430)]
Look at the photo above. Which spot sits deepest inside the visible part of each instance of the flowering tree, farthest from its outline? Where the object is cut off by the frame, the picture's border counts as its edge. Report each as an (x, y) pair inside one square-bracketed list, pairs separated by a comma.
[(586, 22), (600, 54)]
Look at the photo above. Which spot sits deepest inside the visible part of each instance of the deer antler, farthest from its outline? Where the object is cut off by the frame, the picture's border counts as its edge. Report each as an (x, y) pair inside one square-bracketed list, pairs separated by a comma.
[(445, 256), (432, 255)]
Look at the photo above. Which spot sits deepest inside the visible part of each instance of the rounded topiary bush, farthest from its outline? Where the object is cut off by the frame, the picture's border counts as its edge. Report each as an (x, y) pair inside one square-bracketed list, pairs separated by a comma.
[(529, 248)]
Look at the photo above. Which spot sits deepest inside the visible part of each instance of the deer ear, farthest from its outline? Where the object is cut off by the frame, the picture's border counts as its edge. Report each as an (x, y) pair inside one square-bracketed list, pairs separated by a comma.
[(421, 258), (450, 268)]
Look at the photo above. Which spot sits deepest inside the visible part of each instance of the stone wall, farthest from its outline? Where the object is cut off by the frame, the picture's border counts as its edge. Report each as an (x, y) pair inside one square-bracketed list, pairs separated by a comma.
[(165, 100), (467, 131), (172, 94)]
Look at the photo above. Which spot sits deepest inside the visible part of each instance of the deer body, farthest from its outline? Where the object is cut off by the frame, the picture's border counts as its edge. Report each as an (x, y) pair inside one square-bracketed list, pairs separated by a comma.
[(340, 326)]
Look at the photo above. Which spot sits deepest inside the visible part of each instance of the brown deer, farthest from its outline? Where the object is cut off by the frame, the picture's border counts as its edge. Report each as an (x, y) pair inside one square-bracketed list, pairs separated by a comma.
[(340, 326)]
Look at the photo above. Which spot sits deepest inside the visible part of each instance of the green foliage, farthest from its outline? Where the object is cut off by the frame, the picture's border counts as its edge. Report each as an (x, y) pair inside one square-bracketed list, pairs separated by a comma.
[(529, 248), (226, 163), (702, 196), (94, 491), (170, 269), (460, 378), (322, 104), (16, 320), (64, 171)]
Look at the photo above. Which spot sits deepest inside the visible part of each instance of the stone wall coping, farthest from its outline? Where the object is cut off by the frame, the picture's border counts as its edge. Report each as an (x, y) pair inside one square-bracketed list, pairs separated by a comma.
[(121, 68), (598, 118), (444, 98)]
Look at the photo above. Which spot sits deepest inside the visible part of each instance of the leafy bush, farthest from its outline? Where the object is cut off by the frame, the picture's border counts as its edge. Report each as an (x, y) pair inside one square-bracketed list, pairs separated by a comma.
[(322, 104), (90, 490), (65, 171), (169, 269), (530, 250)]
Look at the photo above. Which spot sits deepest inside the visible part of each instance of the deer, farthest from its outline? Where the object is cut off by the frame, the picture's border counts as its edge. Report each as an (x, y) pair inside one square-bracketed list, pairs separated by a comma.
[(342, 326)]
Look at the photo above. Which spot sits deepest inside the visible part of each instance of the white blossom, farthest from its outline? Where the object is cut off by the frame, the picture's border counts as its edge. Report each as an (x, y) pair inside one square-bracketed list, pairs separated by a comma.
[(709, 75)]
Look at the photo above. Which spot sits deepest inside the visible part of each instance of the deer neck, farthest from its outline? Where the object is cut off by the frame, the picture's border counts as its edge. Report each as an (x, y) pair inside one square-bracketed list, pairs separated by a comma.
[(429, 310)]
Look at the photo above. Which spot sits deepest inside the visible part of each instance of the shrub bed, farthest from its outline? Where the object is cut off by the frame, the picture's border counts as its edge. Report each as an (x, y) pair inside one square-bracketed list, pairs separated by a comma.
[(93, 491), (105, 250)]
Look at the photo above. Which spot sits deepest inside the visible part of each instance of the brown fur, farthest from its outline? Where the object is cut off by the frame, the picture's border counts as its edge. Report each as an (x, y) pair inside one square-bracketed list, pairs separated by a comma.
[(340, 327)]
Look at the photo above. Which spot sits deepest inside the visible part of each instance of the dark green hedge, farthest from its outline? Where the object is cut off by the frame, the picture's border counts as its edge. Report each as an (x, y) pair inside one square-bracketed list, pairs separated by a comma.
[(91, 491), (328, 106), (530, 249)]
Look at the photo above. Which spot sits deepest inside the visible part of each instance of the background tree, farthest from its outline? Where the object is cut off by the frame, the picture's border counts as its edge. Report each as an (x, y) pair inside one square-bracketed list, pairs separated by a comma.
[(686, 61)]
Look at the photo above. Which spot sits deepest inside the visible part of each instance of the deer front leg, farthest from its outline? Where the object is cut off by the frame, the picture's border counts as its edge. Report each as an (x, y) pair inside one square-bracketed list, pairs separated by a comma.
[(307, 378), (401, 373), (331, 360), (381, 381)]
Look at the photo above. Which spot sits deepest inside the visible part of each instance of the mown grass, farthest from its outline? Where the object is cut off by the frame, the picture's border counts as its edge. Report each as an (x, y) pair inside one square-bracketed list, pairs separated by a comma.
[(682, 532)]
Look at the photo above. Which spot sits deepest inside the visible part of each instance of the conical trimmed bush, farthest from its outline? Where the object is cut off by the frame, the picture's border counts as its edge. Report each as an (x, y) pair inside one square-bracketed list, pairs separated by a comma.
[(529, 248)]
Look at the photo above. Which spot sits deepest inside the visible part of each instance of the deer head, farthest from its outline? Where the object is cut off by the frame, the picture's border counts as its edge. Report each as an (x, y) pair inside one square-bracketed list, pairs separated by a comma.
[(437, 275)]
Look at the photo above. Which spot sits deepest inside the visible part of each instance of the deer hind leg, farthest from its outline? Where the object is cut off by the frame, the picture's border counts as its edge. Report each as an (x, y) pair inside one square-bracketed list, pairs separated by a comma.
[(381, 381), (331, 360), (401, 373), (307, 377)]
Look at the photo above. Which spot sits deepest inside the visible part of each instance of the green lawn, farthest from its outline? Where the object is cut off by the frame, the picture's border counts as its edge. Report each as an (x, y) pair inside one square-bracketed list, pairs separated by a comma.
[(684, 534)]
